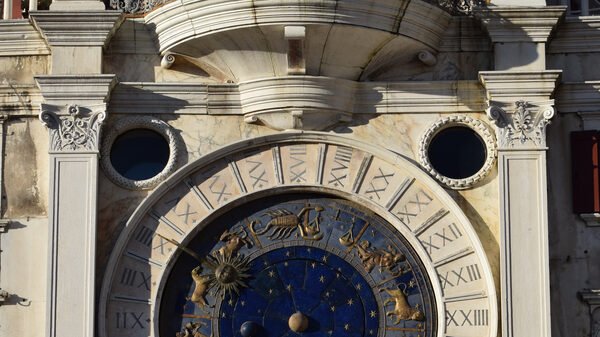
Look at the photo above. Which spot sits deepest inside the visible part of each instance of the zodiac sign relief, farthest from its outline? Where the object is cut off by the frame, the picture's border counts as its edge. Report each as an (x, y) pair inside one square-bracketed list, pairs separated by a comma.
[(191, 330), (203, 284), (227, 268), (283, 223), (233, 242), (402, 310)]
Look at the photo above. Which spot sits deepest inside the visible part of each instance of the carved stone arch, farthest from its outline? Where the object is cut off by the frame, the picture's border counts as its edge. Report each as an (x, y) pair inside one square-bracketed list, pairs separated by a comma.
[(388, 184)]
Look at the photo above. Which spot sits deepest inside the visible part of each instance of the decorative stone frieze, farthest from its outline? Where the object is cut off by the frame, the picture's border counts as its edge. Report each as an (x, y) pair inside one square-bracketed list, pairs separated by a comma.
[(525, 127), (520, 24), (90, 28), (77, 131), (476, 125)]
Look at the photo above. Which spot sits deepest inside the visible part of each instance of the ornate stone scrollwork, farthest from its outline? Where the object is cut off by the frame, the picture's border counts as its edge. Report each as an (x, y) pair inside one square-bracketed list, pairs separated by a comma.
[(484, 133), (525, 127), (460, 6), (77, 131)]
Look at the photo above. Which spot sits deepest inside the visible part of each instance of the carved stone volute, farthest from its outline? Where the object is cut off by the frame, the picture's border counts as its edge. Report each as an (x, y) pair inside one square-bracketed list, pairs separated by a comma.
[(73, 128), (524, 127)]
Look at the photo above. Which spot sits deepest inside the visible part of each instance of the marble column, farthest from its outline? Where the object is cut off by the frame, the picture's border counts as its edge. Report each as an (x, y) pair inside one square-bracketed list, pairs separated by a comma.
[(73, 111), (521, 108)]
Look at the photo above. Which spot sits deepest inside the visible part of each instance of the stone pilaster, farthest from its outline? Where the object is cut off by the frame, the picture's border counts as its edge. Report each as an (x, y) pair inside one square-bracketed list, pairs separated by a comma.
[(520, 34), (73, 111), (521, 108), (77, 39)]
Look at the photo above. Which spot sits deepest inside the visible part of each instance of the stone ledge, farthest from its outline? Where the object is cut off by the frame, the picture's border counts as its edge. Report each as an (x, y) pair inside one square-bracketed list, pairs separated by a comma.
[(75, 89), (577, 35), (76, 29), (19, 38), (520, 24), (506, 87)]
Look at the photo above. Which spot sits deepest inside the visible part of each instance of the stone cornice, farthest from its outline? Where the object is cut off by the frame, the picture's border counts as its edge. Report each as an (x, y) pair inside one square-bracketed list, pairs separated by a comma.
[(506, 87), (520, 24), (177, 22), (76, 89), (19, 37), (369, 97), (581, 97), (577, 35), (77, 29), (20, 99)]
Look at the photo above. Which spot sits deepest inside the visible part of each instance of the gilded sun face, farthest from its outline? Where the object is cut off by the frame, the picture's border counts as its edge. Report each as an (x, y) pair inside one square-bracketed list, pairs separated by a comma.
[(230, 274)]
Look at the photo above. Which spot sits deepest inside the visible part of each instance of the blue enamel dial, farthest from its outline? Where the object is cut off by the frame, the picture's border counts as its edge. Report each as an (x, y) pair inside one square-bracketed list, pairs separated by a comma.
[(334, 297), (297, 266)]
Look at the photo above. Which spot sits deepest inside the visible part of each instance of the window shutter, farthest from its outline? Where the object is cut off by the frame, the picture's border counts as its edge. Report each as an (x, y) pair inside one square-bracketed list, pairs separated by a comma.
[(586, 178)]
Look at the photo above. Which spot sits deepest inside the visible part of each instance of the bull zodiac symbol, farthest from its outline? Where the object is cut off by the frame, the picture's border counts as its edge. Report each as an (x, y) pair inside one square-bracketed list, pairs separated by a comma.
[(283, 223), (402, 310)]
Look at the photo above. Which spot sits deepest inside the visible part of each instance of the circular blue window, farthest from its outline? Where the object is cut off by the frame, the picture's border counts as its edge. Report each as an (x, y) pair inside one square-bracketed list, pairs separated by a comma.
[(139, 154)]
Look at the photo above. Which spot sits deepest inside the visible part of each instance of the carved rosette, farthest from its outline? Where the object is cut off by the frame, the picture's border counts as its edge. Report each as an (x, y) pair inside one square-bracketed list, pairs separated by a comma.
[(76, 131), (524, 127)]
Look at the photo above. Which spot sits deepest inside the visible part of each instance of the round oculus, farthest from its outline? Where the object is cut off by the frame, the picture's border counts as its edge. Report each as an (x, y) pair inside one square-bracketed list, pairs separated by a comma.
[(457, 152), (139, 154)]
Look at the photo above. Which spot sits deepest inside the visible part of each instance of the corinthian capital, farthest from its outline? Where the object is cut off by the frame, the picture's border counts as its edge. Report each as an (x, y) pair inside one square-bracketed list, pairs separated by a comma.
[(525, 127), (73, 128)]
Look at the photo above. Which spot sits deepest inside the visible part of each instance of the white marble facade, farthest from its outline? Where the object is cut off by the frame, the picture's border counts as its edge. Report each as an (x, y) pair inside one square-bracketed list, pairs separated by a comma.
[(228, 82)]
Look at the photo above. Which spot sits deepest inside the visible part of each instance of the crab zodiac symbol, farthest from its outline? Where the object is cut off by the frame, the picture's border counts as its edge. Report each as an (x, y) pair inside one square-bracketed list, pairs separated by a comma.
[(283, 223)]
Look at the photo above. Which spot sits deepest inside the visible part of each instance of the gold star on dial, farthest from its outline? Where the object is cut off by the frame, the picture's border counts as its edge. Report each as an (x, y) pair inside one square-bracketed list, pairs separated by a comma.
[(350, 302), (373, 314), (346, 326), (322, 279), (271, 273), (332, 308)]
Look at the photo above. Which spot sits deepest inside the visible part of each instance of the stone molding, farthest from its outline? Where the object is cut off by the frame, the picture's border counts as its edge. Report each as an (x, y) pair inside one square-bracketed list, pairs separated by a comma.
[(140, 122), (591, 220), (298, 102), (520, 24), (592, 298), (577, 34), (19, 37), (457, 120), (75, 132), (77, 29), (366, 97), (20, 99), (525, 127), (177, 22), (582, 98), (506, 87), (66, 89)]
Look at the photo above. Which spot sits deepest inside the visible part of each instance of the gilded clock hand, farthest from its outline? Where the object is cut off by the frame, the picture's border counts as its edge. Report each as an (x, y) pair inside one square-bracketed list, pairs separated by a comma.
[(191, 253)]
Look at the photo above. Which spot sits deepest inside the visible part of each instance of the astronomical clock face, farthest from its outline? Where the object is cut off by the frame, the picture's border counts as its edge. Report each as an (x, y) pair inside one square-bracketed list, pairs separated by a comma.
[(314, 235), (297, 266)]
